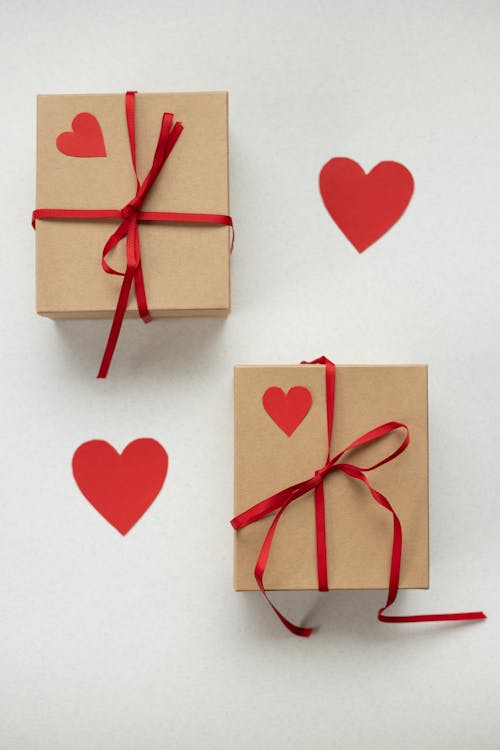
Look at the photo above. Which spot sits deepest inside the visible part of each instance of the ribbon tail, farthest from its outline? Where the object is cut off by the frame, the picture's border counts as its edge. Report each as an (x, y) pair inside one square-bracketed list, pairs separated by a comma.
[(451, 617), (295, 629), (140, 289), (397, 547), (140, 293), (117, 323), (260, 569)]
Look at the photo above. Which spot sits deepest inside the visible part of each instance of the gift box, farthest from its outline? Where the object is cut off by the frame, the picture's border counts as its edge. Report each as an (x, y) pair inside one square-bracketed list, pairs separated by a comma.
[(85, 163), (283, 418)]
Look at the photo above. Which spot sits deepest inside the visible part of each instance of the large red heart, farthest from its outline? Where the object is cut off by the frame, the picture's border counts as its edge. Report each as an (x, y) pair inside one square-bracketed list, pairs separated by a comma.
[(84, 140), (121, 487), (365, 206), (287, 410)]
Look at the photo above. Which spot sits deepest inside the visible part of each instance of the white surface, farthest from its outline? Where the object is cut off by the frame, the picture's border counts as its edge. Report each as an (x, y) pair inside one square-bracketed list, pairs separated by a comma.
[(115, 643)]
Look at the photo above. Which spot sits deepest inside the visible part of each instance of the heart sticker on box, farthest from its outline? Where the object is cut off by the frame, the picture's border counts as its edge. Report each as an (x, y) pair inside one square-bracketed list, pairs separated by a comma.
[(121, 487), (287, 410), (84, 140), (365, 205)]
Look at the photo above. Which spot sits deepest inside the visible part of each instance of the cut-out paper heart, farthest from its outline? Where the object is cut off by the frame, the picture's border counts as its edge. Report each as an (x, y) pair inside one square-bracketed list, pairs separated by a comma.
[(85, 139), (287, 410), (364, 206), (121, 487)]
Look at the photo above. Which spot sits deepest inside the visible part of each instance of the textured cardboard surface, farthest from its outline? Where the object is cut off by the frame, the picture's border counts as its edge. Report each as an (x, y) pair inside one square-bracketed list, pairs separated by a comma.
[(359, 532), (186, 267)]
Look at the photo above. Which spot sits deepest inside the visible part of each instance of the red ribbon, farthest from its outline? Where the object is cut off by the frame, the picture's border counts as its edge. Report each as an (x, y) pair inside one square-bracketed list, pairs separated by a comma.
[(130, 215), (281, 500)]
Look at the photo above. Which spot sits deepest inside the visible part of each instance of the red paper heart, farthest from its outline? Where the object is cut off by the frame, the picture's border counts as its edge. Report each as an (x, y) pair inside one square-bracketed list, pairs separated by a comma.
[(365, 206), (121, 487), (84, 140), (287, 410)]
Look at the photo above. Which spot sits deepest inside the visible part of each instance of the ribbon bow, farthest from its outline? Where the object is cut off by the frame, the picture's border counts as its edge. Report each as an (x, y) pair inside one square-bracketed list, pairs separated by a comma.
[(281, 500), (129, 217)]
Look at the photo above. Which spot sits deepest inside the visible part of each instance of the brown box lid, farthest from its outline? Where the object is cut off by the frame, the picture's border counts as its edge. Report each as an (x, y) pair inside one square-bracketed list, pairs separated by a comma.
[(186, 267), (359, 532)]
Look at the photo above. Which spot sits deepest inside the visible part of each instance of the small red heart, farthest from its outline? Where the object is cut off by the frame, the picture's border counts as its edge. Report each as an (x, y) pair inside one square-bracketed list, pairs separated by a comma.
[(121, 487), (365, 206), (287, 410), (84, 140)]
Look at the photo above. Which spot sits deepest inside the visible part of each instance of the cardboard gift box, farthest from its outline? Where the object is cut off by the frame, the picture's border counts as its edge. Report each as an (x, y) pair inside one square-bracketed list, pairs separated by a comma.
[(185, 265), (287, 444)]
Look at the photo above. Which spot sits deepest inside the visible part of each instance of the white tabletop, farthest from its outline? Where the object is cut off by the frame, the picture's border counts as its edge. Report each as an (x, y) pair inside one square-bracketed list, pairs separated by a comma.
[(138, 642)]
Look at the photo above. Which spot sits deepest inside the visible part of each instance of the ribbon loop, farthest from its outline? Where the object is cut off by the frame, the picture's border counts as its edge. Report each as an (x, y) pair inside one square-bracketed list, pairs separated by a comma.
[(281, 500)]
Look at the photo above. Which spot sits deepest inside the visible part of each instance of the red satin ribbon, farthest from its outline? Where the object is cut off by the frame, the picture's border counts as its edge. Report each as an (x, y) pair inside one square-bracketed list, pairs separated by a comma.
[(281, 500), (129, 216)]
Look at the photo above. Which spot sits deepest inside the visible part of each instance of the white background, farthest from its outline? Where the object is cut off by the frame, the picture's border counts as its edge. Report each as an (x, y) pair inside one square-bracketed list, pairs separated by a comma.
[(112, 643)]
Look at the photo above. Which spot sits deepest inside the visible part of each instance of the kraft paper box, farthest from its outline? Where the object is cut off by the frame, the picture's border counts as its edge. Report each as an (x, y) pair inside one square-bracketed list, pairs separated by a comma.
[(186, 266), (359, 532)]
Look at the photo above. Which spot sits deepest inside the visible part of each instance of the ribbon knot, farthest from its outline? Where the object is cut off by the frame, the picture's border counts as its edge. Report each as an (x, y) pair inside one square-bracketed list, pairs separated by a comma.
[(280, 501), (128, 210), (319, 475)]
